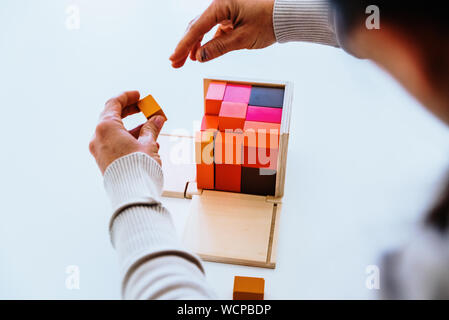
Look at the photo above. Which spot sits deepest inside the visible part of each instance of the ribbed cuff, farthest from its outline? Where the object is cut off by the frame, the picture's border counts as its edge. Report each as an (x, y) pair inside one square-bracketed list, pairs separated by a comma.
[(135, 179), (142, 233), (303, 20)]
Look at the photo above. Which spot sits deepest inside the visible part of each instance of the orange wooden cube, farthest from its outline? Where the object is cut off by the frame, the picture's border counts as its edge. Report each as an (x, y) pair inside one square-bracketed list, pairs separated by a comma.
[(209, 123), (232, 115), (270, 128), (204, 147), (150, 107), (214, 97), (261, 145), (204, 156), (248, 288), (205, 176)]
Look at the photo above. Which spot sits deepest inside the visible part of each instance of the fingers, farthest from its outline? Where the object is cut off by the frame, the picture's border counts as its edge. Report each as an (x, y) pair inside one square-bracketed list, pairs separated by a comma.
[(222, 29), (225, 27), (115, 106), (151, 129), (220, 45), (213, 15)]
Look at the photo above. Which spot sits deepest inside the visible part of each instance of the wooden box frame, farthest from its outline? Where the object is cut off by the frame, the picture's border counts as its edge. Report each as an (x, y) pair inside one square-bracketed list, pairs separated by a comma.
[(229, 227)]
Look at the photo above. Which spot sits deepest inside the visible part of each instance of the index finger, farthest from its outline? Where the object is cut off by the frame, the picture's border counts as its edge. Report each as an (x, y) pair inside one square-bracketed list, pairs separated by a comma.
[(114, 107), (211, 17)]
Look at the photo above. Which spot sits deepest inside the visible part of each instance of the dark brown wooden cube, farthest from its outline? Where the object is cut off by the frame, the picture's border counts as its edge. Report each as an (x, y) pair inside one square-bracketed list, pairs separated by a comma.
[(259, 181)]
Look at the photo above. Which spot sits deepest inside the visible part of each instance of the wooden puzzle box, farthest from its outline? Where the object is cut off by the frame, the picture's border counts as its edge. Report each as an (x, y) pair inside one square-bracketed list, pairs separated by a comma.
[(235, 183)]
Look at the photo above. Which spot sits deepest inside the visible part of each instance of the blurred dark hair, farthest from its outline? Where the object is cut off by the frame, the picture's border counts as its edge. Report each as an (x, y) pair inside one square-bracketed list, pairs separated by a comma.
[(412, 15), (426, 25)]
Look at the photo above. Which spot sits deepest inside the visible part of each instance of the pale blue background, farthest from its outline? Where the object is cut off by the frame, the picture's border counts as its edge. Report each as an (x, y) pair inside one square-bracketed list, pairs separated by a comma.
[(365, 160)]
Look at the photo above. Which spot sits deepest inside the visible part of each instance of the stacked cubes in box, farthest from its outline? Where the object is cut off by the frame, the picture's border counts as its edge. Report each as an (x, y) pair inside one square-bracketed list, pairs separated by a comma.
[(238, 145)]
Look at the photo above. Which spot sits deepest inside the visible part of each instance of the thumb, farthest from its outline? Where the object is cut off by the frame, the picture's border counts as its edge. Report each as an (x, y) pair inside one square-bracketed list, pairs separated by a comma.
[(151, 129), (221, 45)]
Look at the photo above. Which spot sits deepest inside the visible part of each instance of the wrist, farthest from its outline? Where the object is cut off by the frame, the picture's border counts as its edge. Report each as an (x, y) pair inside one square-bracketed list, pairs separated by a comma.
[(299, 20), (269, 12)]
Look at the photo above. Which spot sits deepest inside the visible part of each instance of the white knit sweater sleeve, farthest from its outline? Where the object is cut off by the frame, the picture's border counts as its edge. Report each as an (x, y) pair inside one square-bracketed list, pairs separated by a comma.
[(304, 20), (153, 263)]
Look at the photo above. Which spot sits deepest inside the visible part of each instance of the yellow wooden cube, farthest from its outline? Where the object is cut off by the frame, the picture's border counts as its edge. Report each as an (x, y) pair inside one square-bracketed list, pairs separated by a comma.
[(150, 107)]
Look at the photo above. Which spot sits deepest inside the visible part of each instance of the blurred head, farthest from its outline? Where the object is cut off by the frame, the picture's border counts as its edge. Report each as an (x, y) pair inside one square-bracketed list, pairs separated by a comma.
[(412, 44)]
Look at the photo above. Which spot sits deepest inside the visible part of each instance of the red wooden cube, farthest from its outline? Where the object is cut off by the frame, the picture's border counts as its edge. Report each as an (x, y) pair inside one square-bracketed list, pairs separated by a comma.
[(228, 158), (228, 148), (228, 177)]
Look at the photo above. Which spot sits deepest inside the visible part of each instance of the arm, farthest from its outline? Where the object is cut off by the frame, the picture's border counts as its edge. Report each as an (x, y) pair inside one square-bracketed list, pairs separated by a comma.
[(152, 261)]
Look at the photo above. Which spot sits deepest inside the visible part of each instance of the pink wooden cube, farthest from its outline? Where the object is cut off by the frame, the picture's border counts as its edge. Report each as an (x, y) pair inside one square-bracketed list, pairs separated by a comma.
[(264, 114), (237, 93), (214, 97)]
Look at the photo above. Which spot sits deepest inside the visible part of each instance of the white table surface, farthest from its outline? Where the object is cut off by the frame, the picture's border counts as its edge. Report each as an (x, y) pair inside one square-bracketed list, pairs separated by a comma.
[(365, 160)]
